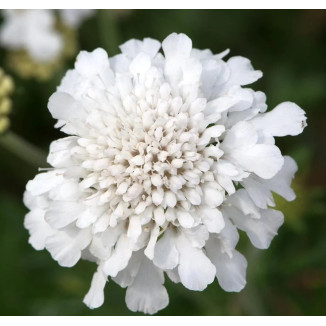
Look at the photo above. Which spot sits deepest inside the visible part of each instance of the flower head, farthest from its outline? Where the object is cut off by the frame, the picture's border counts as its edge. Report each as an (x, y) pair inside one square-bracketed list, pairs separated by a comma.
[(33, 31), (39, 41), (167, 157)]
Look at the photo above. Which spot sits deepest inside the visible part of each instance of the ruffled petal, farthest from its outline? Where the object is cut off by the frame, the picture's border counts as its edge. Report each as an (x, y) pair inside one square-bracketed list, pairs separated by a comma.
[(263, 160), (95, 296), (258, 191), (133, 47), (89, 64), (243, 202), (230, 270), (177, 45), (213, 219), (38, 229), (281, 183), (146, 293), (44, 182), (240, 146), (60, 154), (166, 255), (61, 213), (195, 270), (260, 231), (285, 119), (120, 257), (127, 275), (66, 246), (242, 72)]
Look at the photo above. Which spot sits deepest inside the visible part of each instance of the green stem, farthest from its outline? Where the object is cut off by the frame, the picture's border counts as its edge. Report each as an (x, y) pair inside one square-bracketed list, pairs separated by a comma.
[(23, 149), (109, 31)]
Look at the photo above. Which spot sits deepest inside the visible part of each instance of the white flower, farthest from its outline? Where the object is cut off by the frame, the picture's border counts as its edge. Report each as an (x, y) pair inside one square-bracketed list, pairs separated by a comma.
[(32, 31), (74, 17), (145, 183)]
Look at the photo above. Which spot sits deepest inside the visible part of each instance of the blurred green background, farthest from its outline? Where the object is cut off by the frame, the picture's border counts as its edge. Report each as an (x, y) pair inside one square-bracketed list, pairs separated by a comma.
[(287, 279)]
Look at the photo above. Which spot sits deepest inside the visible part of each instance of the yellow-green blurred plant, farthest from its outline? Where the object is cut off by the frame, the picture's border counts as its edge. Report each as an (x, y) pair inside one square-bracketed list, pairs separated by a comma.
[(6, 88), (294, 211)]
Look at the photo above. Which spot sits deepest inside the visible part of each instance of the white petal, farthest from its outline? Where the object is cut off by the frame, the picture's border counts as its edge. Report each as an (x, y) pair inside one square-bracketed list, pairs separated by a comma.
[(102, 243), (214, 77), (236, 99), (134, 229), (243, 202), (62, 213), (140, 64), (229, 235), (133, 47), (258, 191), (213, 197), (89, 216), (230, 271), (134, 191), (227, 168), (146, 293), (120, 257), (170, 199), (191, 71), (66, 246), (173, 275), (226, 183), (240, 99), (159, 215), (260, 231), (242, 72), (213, 219), (127, 275), (60, 154), (263, 160), (240, 136), (286, 119), (166, 255), (149, 251), (89, 64), (193, 196), (95, 296), (195, 270), (38, 229), (197, 235), (185, 219), (157, 196), (32, 202), (99, 248), (64, 107), (102, 223), (177, 45), (67, 191), (281, 183), (212, 132), (44, 182)]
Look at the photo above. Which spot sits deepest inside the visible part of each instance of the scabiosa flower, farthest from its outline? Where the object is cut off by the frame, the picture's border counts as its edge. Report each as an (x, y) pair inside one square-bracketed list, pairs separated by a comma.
[(39, 41), (167, 156), (32, 31)]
